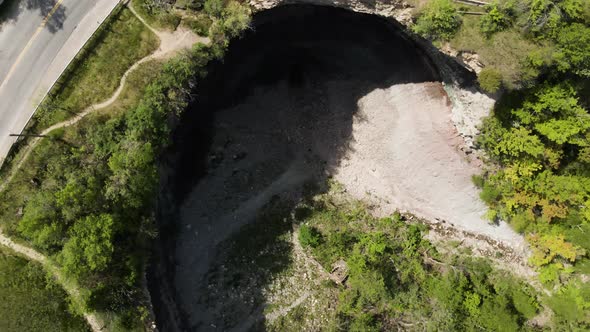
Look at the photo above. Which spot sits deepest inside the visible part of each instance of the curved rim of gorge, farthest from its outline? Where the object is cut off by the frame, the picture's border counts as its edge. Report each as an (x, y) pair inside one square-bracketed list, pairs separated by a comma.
[(222, 176)]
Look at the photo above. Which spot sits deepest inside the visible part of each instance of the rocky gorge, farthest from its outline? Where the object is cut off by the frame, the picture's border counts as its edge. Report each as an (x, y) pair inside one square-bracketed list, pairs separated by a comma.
[(318, 91)]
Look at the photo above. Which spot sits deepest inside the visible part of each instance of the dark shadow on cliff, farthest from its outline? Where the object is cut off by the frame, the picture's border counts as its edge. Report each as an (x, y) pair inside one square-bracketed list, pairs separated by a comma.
[(275, 115)]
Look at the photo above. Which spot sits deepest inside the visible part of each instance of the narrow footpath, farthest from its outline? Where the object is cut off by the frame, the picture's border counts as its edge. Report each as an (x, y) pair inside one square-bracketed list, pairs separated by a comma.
[(170, 44)]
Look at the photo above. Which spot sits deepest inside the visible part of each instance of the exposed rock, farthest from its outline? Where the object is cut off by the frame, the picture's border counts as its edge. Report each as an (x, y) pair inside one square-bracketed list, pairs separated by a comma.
[(471, 60), (387, 8), (469, 105), (339, 272)]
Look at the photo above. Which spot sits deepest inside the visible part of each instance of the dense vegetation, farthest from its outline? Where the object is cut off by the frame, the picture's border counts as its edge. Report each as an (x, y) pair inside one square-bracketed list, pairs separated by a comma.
[(398, 280), (538, 137), (31, 301), (438, 20), (88, 201), (519, 39)]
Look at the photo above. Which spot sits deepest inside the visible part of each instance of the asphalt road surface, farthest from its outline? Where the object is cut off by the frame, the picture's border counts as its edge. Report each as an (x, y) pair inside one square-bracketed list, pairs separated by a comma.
[(38, 39)]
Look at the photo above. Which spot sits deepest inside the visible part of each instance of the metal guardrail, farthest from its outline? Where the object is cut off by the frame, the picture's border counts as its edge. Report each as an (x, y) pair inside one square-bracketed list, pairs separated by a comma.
[(471, 13), (473, 2)]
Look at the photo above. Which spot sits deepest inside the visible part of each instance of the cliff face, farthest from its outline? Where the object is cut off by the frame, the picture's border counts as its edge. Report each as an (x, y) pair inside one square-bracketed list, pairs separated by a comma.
[(457, 69), (397, 9)]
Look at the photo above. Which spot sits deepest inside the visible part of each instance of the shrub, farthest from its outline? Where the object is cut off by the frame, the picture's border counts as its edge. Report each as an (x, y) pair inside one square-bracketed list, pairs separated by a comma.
[(214, 7), (489, 194), (309, 236), (490, 80), (191, 4), (438, 20), (200, 24), (157, 13), (478, 180), (169, 20), (497, 18), (574, 49), (236, 19)]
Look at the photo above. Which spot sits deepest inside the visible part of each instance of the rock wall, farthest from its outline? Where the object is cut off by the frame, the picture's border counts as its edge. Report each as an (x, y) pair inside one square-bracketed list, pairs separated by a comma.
[(457, 69), (397, 9)]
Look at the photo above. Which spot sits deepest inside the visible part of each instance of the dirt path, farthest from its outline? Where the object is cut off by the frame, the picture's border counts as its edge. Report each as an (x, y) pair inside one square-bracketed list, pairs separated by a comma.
[(95, 323), (311, 265), (170, 44)]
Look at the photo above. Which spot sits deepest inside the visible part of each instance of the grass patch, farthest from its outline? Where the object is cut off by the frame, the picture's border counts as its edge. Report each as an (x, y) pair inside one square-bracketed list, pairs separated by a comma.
[(158, 17), (134, 88), (31, 301), (97, 75), (506, 51), (199, 23)]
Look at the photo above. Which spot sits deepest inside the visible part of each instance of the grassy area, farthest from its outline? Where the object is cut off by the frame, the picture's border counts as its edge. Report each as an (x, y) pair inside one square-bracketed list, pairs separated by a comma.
[(31, 301), (506, 50), (134, 88), (95, 75), (30, 179), (159, 17), (24, 184)]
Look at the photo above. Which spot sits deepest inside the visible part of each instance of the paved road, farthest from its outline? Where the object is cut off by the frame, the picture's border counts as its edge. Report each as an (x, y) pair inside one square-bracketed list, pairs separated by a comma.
[(38, 39)]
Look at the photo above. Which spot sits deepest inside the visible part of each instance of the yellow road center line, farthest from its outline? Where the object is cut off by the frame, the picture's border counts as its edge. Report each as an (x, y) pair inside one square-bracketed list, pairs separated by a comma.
[(30, 43)]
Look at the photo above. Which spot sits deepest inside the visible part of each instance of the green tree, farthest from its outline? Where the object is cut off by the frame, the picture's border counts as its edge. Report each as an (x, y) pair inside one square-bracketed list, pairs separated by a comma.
[(548, 247), (497, 18), (574, 49), (490, 80), (134, 175), (519, 142), (438, 20), (40, 222), (309, 236), (214, 7), (571, 305), (90, 245), (236, 18), (81, 195)]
